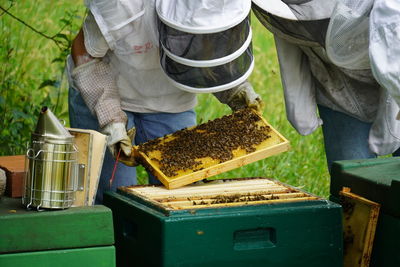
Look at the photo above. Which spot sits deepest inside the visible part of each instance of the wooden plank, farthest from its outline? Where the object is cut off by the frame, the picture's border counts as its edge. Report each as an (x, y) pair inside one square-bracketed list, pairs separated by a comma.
[(215, 194), (218, 186), (245, 203), (91, 149), (273, 145), (239, 198), (360, 217), (159, 197), (99, 146), (14, 166), (210, 189), (82, 141)]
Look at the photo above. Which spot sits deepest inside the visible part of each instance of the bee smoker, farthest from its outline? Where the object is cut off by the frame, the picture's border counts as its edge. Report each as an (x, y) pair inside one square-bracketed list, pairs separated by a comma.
[(51, 165)]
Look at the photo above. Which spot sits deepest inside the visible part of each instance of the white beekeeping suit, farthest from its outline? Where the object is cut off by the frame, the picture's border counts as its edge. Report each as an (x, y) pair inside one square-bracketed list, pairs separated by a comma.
[(365, 34), (384, 49), (323, 48)]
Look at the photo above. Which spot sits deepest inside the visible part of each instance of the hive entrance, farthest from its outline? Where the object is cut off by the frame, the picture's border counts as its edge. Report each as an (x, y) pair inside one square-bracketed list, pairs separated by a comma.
[(220, 193)]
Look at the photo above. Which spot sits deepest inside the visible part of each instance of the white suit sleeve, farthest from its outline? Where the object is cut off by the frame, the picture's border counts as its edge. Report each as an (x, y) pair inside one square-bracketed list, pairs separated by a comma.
[(299, 89), (384, 48)]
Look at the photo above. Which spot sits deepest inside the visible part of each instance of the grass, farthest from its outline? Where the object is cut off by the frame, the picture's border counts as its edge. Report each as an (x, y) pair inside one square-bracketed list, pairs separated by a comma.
[(32, 62)]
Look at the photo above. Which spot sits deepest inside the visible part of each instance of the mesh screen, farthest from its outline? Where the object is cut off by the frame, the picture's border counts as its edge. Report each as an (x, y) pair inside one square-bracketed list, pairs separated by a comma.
[(210, 76), (301, 31), (348, 34), (204, 46)]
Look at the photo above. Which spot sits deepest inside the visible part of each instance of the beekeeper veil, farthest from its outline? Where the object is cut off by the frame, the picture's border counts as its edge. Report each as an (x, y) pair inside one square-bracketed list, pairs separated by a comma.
[(347, 37), (205, 45), (297, 21)]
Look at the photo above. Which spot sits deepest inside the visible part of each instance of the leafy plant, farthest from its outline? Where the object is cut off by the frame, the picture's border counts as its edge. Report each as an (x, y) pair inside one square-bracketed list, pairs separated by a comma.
[(32, 66)]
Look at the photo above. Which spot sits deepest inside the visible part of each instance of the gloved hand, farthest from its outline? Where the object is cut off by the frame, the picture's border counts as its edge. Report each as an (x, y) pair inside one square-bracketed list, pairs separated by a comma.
[(119, 138), (240, 97)]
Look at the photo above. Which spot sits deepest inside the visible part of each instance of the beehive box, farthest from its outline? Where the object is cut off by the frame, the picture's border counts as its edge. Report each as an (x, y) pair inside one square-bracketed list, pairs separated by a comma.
[(211, 148), (238, 222), (377, 180), (74, 237)]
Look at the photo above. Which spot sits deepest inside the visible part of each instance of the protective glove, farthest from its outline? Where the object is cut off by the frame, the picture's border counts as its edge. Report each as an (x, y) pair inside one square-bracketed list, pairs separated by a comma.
[(119, 138), (96, 83), (241, 96)]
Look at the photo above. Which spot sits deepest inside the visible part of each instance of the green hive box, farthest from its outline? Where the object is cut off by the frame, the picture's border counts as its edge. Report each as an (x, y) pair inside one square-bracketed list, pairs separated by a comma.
[(302, 233), (377, 180), (74, 237)]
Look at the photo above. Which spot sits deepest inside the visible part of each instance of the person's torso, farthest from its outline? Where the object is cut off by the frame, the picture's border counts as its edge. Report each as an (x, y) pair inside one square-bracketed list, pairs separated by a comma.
[(134, 56)]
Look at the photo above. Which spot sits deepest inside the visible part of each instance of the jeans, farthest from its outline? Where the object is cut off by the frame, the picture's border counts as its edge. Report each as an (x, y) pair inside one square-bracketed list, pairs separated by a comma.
[(148, 126), (345, 137)]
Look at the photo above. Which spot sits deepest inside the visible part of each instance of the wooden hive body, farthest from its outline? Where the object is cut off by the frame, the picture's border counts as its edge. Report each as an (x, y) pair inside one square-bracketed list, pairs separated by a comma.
[(238, 222)]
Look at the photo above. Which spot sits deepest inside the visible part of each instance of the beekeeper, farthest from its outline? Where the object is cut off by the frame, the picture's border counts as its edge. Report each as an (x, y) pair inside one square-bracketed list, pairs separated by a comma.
[(119, 87), (336, 71)]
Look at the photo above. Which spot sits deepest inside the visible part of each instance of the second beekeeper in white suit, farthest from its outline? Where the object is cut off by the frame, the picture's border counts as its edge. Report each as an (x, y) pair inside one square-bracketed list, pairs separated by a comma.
[(340, 69)]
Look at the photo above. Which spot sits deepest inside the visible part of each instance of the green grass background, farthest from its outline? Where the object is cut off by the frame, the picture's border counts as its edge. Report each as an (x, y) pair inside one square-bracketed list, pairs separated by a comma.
[(28, 59)]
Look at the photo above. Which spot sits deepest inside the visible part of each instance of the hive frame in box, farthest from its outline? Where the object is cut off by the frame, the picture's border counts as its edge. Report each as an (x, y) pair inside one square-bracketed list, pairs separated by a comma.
[(221, 193), (360, 217), (215, 169)]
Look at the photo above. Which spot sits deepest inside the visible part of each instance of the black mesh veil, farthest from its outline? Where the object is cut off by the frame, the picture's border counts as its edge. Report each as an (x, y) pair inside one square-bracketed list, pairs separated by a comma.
[(207, 77), (311, 24), (203, 46), (206, 62)]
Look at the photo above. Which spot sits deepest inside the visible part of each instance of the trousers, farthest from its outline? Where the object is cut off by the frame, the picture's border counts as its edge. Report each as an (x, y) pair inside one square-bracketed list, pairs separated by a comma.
[(345, 137)]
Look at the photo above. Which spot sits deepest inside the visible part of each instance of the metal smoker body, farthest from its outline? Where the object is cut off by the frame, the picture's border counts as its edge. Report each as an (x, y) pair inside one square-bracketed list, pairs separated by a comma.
[(51, 165)]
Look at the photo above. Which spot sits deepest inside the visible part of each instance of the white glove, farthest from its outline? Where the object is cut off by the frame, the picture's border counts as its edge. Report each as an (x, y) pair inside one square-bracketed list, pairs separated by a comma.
[(119, 138), (96, 83), (240, 97)]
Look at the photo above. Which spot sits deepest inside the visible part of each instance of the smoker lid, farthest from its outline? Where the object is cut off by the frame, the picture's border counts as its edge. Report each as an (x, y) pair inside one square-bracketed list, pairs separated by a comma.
[(50, 129)]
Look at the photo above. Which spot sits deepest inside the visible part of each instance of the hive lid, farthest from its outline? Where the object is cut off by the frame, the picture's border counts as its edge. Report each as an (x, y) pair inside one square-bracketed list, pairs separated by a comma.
[(50, 129), (375, 179), (218, 194)]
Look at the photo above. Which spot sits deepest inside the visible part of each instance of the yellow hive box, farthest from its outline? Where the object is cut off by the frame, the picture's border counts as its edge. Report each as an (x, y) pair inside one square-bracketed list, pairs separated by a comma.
[(210, 148)]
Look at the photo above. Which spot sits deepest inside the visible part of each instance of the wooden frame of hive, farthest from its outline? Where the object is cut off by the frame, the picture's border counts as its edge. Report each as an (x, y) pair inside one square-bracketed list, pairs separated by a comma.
[(219, 193), (277, 143)]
